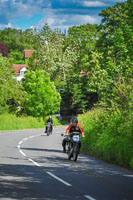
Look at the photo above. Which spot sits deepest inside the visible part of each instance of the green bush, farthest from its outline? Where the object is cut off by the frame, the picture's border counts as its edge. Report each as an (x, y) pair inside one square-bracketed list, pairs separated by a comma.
[(109, 135)]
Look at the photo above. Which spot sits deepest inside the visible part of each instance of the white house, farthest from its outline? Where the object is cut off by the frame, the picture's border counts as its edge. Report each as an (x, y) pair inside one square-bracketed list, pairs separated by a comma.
[(21, 68), (20, 71)]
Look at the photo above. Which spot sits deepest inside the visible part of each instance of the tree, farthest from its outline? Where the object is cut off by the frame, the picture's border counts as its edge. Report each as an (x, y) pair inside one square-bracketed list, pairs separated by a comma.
[(11, 94), (41, 96), (116, 35), (51, 55), (16, 41), (3, 50), (111, 65), (83, 40), (54, 57)]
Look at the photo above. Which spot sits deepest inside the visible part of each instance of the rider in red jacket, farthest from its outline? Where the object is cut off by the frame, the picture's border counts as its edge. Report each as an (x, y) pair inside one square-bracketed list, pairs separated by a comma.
[(73, 127)]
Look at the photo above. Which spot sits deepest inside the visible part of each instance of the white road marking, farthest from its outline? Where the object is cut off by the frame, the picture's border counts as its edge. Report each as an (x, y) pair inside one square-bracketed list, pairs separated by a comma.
[(38, 165), (35, 163), (32, 136), (22, 153), (25, 139), (59, 179), (89, 197), (20, 142), (128, 175)]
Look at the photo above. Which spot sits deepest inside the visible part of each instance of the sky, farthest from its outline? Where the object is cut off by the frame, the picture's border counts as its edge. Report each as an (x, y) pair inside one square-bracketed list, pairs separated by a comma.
[(61, 14)]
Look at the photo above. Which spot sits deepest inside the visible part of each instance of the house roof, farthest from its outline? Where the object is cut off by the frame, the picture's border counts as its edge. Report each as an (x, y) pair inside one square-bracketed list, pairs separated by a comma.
[(18, 67), (28, 53)]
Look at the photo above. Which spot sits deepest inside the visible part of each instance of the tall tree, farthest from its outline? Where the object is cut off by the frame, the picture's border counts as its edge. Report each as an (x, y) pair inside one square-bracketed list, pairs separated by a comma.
[(41, 95), (112, 72), (51, 54), (11, 94), (83, 40), (116, 34)]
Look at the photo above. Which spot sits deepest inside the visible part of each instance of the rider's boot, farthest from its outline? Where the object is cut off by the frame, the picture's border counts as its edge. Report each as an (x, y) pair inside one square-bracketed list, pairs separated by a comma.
[(64, 149)]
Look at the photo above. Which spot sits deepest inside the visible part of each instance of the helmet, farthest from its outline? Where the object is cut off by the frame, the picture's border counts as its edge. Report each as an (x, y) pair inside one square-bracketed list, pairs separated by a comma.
[(74, 119), (50, 117)]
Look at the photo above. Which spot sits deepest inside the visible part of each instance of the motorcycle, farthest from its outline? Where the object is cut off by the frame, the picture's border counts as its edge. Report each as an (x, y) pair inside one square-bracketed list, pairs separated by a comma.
[(73, 146), (49, 128)]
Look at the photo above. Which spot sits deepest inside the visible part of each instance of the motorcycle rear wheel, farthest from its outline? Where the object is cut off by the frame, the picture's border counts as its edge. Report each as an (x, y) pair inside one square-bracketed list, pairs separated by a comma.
[(75, 156)]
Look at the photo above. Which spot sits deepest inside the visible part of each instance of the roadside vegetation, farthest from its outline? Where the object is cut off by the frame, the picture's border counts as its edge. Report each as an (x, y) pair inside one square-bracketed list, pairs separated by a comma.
[(88, 72), (12, 122), (109, 135)]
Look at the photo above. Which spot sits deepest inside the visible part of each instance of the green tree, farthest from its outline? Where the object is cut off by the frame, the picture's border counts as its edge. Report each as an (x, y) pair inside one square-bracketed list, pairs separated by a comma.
[(111, 65), (52, 56), (116, 33), (11, 94), (16, 41), (41, 95), (83, 40)]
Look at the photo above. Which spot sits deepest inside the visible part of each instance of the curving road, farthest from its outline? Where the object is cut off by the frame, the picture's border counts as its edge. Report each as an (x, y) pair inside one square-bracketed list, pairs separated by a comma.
[(33, 166)]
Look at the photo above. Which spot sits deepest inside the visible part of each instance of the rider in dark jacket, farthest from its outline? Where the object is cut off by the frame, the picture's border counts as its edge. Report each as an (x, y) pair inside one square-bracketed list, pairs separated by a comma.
[(51, 123), (73, 127)]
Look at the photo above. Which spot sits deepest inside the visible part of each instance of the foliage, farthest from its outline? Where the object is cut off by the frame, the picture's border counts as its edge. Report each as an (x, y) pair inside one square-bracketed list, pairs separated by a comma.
[(83, 40), (11, 94), (51, 55), (17, 56), (16, 41), (116, 33), (111, 64), (11, 122), (41, 95), (109, 135), (3, 50)]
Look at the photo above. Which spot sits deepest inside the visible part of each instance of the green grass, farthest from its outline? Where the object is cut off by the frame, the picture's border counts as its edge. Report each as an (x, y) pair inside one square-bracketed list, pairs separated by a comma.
[(11, 122)]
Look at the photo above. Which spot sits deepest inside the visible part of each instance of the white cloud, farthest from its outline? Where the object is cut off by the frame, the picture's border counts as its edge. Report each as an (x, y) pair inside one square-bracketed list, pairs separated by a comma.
[(3, 1), (93, 4), (9, 25), (65, 21), (84, 19), (50, 21), (59, 13), (3, 26), (32, 27), (53, 20)]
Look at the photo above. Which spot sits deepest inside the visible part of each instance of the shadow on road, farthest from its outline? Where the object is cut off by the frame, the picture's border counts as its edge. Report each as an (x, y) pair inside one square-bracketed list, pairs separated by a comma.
[(39, 149), (30, 182)]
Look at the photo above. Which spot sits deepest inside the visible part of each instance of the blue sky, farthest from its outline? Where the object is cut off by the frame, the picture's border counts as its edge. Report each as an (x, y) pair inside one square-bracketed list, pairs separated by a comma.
[(62, 14)]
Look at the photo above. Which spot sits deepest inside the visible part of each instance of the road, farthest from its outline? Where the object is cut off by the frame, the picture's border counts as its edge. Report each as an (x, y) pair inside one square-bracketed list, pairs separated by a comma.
[(33, 166)]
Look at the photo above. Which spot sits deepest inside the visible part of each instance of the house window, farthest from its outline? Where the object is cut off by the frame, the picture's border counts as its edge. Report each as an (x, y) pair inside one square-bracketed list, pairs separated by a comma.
[(22, 73)]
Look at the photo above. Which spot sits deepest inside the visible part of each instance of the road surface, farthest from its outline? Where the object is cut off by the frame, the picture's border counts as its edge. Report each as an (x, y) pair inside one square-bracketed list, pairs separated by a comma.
[(33, 166)]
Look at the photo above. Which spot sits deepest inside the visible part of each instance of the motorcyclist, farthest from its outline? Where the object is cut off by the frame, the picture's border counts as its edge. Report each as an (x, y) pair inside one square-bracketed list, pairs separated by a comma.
[(74, 126), (51, 124)]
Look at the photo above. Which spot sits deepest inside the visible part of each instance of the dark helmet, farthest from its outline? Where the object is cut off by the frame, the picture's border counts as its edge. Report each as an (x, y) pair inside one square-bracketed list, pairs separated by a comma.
[(74, 119)]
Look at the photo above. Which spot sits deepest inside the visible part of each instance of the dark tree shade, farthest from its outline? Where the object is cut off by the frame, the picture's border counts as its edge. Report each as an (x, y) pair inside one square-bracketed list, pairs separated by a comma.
[(3, 50)]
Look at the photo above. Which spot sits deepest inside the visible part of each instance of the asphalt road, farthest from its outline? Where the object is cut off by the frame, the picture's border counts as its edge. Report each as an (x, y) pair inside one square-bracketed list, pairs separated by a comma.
[(33, 166)]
